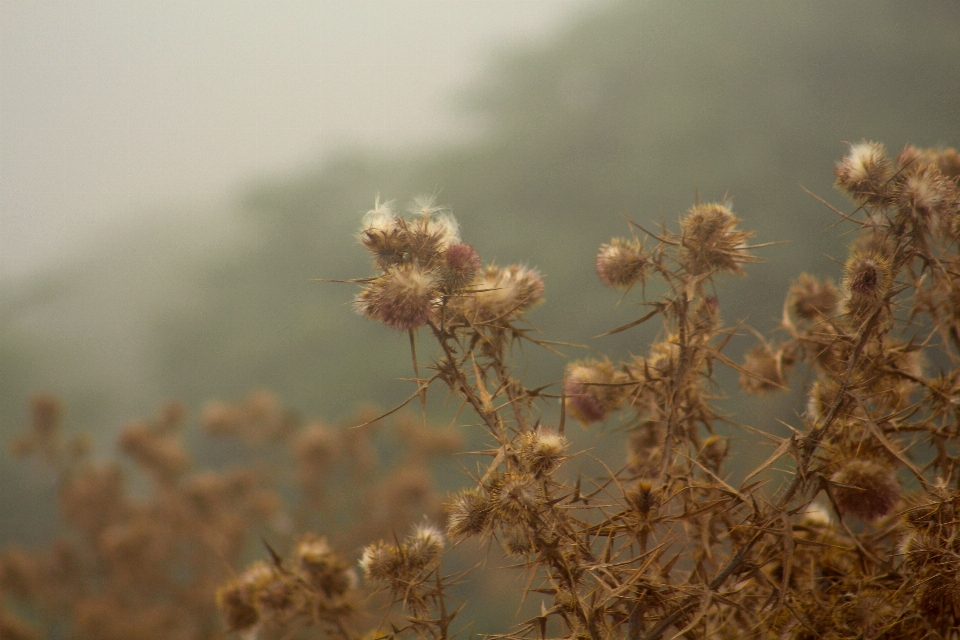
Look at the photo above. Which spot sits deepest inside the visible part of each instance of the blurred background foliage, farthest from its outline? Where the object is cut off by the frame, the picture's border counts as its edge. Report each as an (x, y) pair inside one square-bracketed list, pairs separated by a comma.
[(633, 112)]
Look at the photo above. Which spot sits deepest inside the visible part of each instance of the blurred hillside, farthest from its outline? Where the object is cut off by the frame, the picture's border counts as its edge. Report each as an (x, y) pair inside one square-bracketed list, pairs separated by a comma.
[(634, 112)]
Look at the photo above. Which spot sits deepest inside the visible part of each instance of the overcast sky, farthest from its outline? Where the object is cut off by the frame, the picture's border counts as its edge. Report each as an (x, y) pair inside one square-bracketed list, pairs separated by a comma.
[(110, 110)]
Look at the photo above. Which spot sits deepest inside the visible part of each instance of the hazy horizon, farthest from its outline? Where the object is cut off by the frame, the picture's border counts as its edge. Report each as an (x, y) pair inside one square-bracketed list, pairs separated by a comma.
[(111, 112)]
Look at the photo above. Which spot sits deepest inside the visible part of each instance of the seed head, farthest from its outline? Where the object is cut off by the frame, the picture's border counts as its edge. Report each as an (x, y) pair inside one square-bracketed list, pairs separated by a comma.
[(867, 279), (235, 601), (622, 263), (514, 497), (711, 242), (379, 561), (403, 297), (542, 450), (810, 299), (461, 263), (593, 389), (926, 198), (865, 488), (705, 319), (644, 498), (517, 541), (816, 516), (645, 448), (322, 568), (864, 173), (384, 234), (467, 514), (713, 451), (762, 370), (503, 294), (423, 546)]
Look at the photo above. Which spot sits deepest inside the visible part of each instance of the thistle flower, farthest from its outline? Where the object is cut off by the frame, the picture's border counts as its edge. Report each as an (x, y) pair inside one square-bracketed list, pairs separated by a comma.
[(379, 561), (280, 596), (815, 515), (713, 451), (710, 241), (926, 198), (593, 389), (502, 294), (423, 546), (384, 234), (514, 497), (403, 298), (235, 601), (810, 299), (542, 450), (460, 265), (864, 173), (467, 514), (323, 569), (430, 236), (645, 448), (867, 280), (622, 263), (762, 370), (517, 541), (644, 498), (663, 356), (162, 454), (865, 488), (705, 318)]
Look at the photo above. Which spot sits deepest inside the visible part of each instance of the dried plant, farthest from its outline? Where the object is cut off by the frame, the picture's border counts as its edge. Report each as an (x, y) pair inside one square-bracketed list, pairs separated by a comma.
[(860, 540)]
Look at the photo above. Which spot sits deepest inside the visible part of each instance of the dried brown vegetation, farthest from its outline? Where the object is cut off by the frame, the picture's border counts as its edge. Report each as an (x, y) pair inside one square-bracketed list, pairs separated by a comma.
[(860, 540)]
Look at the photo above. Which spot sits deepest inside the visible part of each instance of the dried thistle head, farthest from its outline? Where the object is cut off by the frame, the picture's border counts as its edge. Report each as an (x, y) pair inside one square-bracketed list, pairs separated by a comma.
[(424, 545), (710, 241), (380, 561), (864, 173), (868, 277), (514, 497), (237, 605), (261, 592), (644, 498), (705, 319), (925, 198), (865, 488), (622, 263), (461, 262), (323, 569), (541, 450), (502, 294), (467, 514), (384, 234), (593, 389), (763, 370), (645, 448), (713, 451), (404, 297), (810, 298), (160, 453)]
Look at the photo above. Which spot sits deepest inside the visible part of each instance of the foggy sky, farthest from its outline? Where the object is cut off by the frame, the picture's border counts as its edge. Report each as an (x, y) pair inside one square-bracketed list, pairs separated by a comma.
[(113, 110)]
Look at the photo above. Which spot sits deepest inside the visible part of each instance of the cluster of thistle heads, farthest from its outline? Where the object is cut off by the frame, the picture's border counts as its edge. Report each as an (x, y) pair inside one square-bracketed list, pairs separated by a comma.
[(861, 541), (872, 408), (317, 586), (427, 275)]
